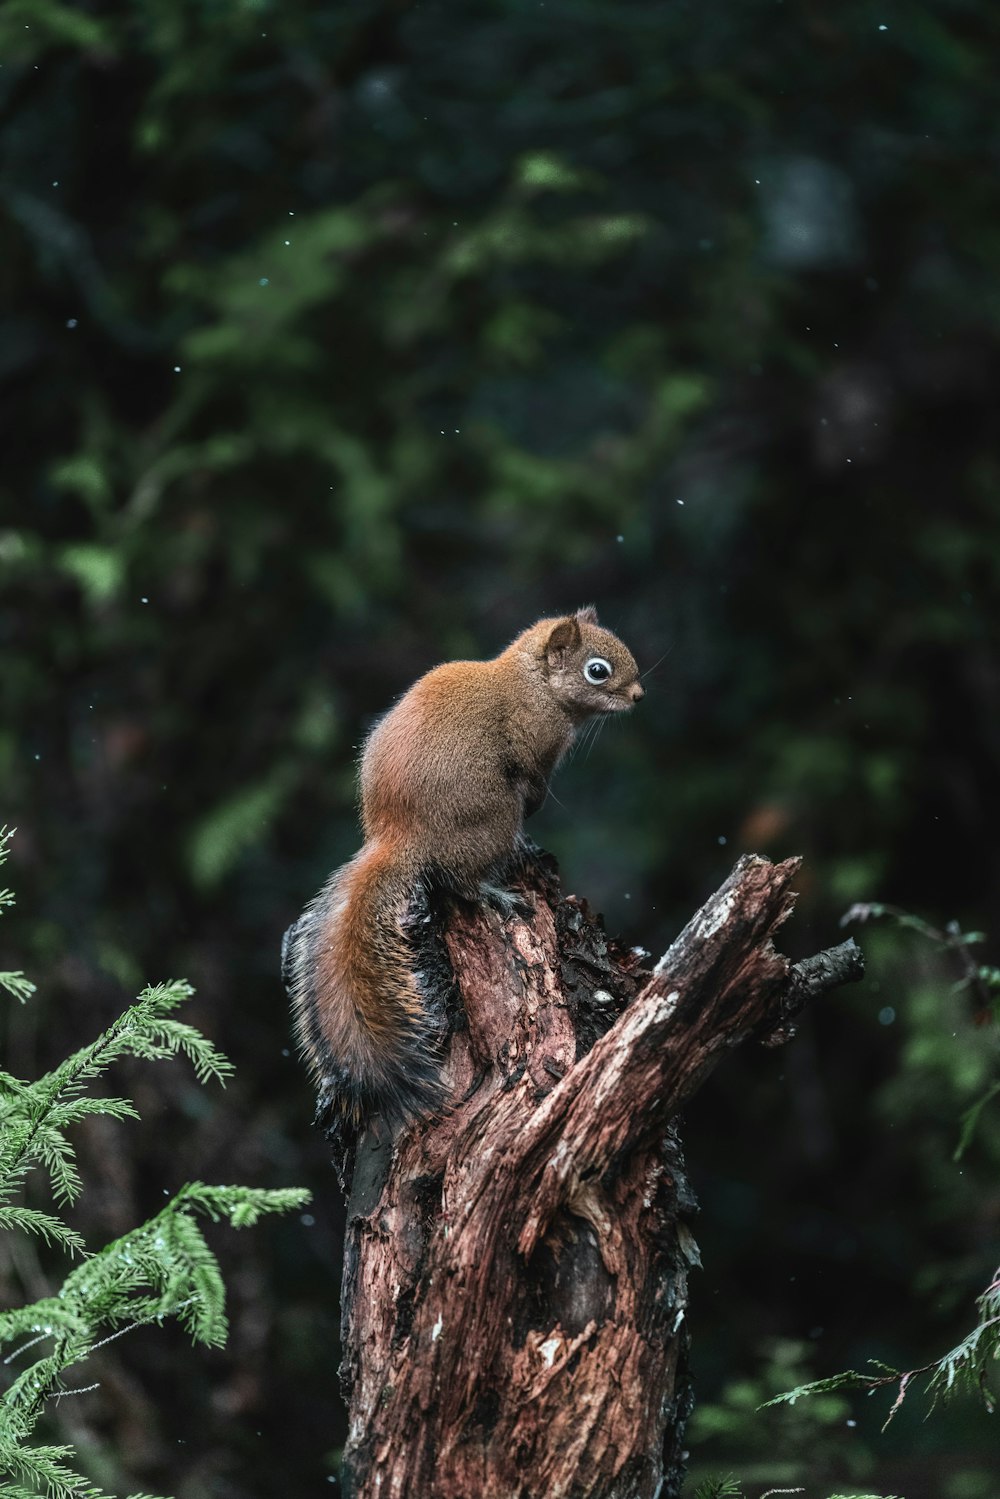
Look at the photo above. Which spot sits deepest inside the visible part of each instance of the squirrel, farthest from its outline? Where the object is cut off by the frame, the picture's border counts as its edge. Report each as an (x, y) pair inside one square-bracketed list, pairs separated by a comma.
[(447, 777)]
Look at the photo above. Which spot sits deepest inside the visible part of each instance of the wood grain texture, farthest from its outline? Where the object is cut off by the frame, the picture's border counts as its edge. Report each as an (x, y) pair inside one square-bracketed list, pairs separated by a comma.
[(516, 1270)]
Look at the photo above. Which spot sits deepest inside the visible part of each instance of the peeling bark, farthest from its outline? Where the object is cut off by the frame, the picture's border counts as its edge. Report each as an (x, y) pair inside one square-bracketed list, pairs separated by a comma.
[(516, 1271)]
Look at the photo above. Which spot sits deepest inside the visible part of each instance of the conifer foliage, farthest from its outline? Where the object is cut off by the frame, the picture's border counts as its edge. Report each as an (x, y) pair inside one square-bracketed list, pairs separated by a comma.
[(967, 1366), (162, 1269)]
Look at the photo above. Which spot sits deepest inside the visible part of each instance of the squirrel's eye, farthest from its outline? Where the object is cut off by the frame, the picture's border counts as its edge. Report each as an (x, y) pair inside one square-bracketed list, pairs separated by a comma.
[(597, 670)]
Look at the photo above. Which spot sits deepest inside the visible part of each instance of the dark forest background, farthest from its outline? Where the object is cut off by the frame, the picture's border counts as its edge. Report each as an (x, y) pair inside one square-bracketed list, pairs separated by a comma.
[(340, 339)]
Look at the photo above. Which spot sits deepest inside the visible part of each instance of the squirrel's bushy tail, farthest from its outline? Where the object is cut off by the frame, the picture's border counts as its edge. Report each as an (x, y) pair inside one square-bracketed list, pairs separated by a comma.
[(360, 1017)]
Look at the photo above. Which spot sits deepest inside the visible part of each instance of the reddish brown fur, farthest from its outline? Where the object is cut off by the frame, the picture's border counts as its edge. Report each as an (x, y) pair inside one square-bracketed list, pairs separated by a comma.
[(447, 777)]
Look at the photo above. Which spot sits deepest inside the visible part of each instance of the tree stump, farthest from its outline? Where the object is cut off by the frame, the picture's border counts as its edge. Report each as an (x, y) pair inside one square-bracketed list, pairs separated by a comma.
[(516, 1270)]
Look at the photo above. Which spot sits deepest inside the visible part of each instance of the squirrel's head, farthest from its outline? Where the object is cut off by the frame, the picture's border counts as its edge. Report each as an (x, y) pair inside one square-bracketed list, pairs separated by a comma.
[(587, 668)]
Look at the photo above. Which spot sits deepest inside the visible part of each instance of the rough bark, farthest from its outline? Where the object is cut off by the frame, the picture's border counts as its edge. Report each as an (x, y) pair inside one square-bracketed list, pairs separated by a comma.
[(516, 1271)]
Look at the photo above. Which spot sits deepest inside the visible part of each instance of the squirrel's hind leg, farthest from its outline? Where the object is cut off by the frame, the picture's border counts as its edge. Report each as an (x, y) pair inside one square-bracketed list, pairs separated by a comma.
[(483, 891), (507, 902)]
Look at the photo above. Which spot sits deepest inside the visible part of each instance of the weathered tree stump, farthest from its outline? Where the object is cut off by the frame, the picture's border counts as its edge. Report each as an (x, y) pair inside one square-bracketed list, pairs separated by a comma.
[(516, 1271)]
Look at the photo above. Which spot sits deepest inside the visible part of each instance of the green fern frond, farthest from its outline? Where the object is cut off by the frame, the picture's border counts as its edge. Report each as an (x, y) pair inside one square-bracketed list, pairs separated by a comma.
[(850, 1379), (45, 1468), (59, 1159), (719, 1488), (27, 1326), (62, 1115), (242, 1205), (964, 1366), (162, 1269), (34, 1116), (11, 1087), (172, 1036), (13, 981), (17, 986), (6, 834), (51, 1229), (22, 1402)]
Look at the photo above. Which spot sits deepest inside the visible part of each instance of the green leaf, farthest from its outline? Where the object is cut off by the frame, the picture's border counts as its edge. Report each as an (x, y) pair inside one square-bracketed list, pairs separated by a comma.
[(545, 171), (232, 827), (99, 570), (52, 23), (970, 1119)]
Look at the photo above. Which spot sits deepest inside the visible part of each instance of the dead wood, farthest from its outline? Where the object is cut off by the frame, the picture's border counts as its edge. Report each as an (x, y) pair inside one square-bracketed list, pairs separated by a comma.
[(516, 1271)]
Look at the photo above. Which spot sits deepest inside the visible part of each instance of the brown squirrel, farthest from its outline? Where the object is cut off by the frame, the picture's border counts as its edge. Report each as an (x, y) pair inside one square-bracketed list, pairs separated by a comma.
[(447, 777)]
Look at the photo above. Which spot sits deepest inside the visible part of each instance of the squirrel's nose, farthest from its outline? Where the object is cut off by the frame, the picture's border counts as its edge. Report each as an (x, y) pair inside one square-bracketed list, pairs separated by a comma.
[(636, 692)]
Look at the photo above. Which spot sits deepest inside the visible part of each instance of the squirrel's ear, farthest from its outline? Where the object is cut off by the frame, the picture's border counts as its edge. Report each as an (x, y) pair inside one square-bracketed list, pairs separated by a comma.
[(565, 637), (587, 615)]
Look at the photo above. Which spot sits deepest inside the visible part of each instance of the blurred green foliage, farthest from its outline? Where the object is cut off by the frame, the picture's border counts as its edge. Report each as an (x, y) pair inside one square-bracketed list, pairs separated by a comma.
[(340, 340)]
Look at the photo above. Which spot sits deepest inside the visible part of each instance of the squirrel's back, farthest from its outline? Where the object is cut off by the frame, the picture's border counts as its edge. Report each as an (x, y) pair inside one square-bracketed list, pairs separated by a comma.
[(447, 777)]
